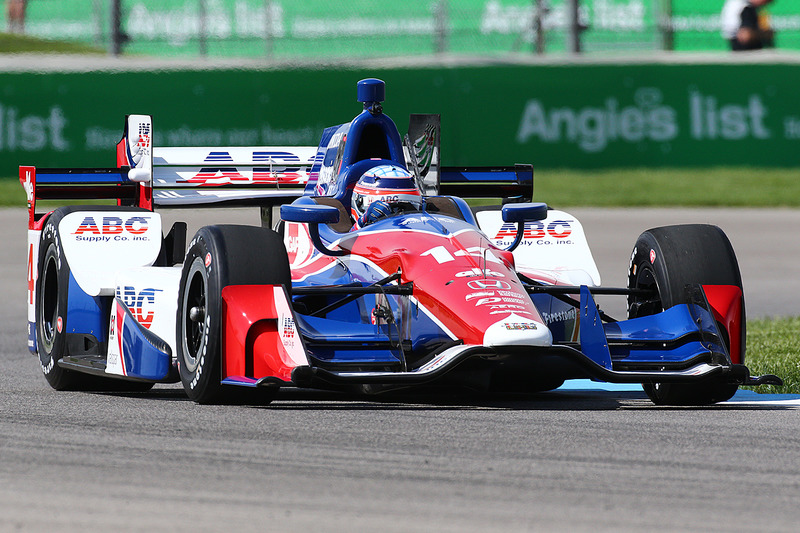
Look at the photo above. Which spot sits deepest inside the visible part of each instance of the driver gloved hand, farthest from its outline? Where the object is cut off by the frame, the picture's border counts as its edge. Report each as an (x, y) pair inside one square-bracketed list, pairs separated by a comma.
[(376, 210)]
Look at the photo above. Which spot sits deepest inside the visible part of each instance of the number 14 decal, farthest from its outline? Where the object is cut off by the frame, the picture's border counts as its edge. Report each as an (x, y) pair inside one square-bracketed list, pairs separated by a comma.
[(442, 255)]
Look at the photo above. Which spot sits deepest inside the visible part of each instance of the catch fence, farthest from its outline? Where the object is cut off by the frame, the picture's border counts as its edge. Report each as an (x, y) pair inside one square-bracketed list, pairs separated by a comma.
[(329, 30)]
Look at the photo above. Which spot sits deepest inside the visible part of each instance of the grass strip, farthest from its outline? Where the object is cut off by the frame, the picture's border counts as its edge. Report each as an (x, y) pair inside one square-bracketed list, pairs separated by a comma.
[(670, 187), (773, 347), (17, 44)]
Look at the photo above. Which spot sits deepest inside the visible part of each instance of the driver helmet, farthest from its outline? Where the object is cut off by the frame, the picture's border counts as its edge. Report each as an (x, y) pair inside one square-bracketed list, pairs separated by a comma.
[(391, 184)]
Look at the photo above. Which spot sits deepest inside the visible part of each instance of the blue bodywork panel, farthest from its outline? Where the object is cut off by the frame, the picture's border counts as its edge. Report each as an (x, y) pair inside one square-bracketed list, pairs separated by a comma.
[(145, 355)]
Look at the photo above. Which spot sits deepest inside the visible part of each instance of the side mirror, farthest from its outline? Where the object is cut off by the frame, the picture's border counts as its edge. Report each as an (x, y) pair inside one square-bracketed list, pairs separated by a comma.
[(313, 215), (521, 213), (310, 213), (526, 212)]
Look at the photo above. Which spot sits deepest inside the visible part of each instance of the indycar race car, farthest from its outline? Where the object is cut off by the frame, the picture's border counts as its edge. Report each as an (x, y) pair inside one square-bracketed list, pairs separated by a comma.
[(377, 275)]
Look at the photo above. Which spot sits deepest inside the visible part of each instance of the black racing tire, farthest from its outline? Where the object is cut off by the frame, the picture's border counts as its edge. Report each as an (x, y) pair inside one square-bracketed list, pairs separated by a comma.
[(52, 290), (51, 305), (666, 259), (219, 256)]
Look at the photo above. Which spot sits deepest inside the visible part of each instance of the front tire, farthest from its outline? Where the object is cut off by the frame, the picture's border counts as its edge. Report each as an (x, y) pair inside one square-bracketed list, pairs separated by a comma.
[(665, 260), (219, 256)]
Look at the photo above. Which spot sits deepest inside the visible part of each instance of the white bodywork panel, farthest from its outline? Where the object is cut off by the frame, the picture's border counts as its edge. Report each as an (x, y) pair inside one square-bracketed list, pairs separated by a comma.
[(98, 244), (556, 245)]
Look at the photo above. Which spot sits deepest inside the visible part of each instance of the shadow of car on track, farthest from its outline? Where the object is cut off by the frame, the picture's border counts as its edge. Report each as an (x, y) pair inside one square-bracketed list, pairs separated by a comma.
[(557, 400)]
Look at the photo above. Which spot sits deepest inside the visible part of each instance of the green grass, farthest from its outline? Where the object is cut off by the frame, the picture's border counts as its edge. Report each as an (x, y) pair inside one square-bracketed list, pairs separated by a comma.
[(722, 187), (773, 347), (16, 44)]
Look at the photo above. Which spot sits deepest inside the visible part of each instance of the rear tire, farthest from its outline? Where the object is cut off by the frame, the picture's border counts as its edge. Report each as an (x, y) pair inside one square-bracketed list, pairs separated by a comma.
[(666, 259), (51, 307), (219, 256)]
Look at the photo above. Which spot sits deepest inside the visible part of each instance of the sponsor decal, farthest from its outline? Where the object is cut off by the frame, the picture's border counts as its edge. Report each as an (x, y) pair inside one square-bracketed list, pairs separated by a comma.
[(59, 324), (518, 326), (557, 229), (215, 157), (288, 327), (143, 142), (28, 186), (507, 306), (481, 294), (112, 228), (207, 260), (211, 176), (144, 135), (652, 256), (560, 316), (477, 272), (512, 294), (142, 304), (483, 284)]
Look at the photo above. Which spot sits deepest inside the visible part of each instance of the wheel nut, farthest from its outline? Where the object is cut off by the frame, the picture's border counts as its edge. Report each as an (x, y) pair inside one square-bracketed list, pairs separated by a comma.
[(197, 314)]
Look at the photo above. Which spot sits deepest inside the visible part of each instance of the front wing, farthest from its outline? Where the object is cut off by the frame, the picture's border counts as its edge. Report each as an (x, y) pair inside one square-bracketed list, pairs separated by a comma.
[(681, 344)]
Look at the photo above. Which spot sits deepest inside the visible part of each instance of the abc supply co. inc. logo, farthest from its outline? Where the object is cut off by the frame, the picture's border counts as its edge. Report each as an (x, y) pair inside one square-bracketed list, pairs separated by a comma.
[(555, 231), (113, 228), (142, 304)]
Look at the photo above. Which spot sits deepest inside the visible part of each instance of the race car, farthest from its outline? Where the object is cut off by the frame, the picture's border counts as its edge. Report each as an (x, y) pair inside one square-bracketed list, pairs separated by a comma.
[(378, 275)]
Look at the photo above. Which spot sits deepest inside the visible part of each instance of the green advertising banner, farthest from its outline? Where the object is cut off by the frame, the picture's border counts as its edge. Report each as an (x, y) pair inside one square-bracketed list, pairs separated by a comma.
[(284, 29), (579, 116)]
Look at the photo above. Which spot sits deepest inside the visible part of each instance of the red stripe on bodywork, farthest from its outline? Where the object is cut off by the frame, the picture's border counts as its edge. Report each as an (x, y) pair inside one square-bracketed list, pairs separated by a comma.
[(726, 303), (250, 336)]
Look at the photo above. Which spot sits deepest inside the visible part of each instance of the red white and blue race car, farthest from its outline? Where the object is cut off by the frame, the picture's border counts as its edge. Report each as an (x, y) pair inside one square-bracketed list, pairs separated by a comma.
[(377, 275)]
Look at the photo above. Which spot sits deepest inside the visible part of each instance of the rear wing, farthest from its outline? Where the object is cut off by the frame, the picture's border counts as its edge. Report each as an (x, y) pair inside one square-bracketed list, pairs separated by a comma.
[(514, 184), (263, 176), (151, 177), (422, 151)]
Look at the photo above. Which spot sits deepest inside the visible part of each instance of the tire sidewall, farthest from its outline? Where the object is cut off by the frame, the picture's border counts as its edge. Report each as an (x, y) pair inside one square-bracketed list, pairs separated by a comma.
[(200, 369), (51, 252)]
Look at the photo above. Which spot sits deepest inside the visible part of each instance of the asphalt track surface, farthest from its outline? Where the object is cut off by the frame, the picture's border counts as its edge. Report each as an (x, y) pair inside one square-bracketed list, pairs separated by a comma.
[(576, 459)]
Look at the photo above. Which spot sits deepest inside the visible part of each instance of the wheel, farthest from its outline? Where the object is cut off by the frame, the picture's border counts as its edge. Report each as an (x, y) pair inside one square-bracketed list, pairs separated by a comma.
[(219, 256), (666, 259), (52, 291), (51, 307)]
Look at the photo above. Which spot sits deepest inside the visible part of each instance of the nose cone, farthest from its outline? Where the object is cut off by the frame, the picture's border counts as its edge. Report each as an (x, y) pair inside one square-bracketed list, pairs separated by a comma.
[(515, 330)]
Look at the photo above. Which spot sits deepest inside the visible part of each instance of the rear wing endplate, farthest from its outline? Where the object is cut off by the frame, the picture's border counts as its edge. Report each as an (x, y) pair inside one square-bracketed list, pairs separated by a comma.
[(422, 147)]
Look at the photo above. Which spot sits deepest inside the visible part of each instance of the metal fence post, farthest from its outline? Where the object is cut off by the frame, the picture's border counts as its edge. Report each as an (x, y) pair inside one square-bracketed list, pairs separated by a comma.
[(665, 25), (538, 26), (268, 32), (201, 39), (574, 33), (440, 14), (117, 36)]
